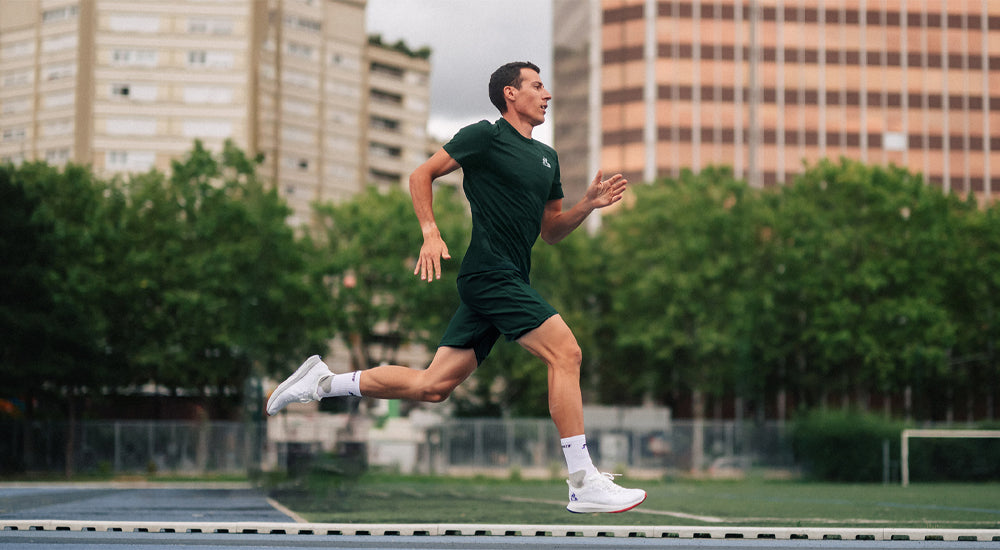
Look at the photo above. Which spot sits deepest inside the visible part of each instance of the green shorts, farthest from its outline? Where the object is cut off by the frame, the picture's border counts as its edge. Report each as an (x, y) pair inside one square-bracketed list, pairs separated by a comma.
[(494, 303)]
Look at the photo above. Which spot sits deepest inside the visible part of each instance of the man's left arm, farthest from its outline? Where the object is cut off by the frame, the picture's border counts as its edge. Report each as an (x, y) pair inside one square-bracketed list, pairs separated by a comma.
[(557, 224)]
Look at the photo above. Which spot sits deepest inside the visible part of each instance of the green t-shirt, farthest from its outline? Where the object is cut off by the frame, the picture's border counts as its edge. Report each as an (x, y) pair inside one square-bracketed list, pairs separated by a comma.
[(508, 180)]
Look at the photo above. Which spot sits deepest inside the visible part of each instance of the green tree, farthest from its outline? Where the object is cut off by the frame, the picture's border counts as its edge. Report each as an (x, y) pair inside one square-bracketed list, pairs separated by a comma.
[(680, 273), (213, 285), (972, 280), (193, 281), (74, 235), (860, 298)]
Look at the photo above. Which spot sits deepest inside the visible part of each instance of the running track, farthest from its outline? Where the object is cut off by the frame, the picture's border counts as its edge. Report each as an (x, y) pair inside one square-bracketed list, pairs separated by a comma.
[(199, 516)]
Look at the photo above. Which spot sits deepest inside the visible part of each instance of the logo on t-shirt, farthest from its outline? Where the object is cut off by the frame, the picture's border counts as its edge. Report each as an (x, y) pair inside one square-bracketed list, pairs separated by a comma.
[(545, 162)]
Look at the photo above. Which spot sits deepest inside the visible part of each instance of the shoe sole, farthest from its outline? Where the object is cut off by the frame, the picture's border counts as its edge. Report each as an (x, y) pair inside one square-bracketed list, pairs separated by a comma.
[(593, 509), (295, 377)]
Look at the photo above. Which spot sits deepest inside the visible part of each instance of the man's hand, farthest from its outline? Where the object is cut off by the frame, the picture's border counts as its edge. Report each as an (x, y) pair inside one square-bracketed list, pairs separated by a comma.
[(606, 192), (431, 253)]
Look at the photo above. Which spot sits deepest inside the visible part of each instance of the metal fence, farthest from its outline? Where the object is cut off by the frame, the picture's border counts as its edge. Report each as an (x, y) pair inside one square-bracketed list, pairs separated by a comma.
[(532, 445), (131, 446), (455, 446)]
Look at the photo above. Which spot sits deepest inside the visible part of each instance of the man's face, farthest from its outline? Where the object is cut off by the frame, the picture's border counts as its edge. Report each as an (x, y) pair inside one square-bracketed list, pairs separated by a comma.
[(531, 99)]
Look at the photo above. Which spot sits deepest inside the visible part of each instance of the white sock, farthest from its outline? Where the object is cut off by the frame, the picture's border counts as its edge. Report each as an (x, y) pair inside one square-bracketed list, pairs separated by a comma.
[(576, 453), (340, 385)]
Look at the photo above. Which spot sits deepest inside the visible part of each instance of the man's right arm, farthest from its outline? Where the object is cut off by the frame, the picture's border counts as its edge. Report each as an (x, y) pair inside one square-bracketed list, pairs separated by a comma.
[(422, 193)]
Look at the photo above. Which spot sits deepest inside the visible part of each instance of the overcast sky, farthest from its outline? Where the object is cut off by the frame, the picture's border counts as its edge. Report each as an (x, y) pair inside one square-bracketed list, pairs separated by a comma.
[(469, 39)]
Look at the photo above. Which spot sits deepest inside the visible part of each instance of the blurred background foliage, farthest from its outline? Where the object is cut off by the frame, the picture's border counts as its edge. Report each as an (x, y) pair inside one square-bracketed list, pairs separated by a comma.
[(850, 282)]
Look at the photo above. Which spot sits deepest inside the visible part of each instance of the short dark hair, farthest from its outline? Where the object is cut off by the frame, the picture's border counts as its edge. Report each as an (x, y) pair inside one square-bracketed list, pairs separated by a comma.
[(507, 75)]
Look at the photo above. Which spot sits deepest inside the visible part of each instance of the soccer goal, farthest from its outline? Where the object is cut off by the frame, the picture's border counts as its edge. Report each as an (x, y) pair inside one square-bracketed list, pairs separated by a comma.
[(904, 446)]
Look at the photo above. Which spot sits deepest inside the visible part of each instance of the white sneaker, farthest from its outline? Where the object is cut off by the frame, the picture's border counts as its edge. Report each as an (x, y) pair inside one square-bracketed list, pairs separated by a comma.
[(598, 492), (302, 386)]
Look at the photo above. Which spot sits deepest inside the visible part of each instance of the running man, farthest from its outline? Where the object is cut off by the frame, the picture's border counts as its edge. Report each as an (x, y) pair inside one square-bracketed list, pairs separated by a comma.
[(513, 186)]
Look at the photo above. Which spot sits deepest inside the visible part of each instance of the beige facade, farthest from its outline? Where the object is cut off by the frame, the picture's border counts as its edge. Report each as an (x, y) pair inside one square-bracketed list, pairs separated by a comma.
[(397, 107), (127, 86), (763, 85)]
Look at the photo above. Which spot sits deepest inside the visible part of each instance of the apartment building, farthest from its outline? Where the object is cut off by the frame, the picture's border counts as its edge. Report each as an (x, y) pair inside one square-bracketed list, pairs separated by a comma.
[(127, 87), (763, 85), (397, 107)]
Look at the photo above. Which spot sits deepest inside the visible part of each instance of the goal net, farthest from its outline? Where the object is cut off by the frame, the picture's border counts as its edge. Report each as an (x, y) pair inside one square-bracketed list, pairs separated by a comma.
[(904, 446)]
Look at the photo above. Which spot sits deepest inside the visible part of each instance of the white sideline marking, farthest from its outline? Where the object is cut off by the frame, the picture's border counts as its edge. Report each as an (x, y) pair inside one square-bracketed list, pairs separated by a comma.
[(285, 510), (638, 510)]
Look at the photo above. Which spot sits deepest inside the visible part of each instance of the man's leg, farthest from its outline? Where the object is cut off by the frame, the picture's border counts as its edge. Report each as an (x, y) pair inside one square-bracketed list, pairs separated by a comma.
[(449, 368), (314, 381), (589, 490), (553, 342)]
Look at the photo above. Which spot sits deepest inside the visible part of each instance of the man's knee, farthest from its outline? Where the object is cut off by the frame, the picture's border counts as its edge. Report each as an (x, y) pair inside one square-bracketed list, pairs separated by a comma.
[(567, 357), (436, 392)]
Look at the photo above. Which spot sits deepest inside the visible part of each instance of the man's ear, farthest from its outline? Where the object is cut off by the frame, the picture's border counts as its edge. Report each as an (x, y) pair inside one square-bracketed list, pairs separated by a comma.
[(509, 92)]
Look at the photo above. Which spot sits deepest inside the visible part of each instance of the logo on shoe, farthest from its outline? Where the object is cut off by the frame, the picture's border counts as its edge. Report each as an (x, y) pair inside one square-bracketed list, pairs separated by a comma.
[(572, 497)]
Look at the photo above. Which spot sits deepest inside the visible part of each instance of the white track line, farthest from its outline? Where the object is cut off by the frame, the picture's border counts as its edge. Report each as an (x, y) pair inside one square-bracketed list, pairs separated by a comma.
[(639, 510)]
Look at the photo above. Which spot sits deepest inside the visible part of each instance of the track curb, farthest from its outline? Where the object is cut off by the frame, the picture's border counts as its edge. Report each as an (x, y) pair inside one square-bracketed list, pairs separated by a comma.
[(523, 530)]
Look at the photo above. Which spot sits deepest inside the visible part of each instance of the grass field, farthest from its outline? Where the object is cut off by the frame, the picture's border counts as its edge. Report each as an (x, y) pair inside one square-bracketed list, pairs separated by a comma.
[(404, 499)]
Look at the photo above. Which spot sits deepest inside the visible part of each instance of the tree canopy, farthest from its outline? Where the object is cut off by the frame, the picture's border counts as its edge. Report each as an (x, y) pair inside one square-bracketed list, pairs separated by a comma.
[(850, 282)]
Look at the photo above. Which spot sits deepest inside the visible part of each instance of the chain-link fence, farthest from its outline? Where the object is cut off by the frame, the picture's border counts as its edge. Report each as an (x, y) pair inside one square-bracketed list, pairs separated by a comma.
[(720, 447), (456, 446), (131, 446)]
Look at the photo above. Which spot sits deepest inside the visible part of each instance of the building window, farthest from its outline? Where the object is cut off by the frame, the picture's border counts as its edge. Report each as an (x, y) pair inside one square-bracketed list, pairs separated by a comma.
[(207, 128), (62, 13), (204, 25), (384, 151), (289, 133), (57, 156), (387, 98), (18, 49), (210, 59), (347, 61), (304, 23), (387, 70), (135, 92), (60, 127), (55, 71), (208, 94), (14, 134), (197, 58), (134, 23), (381, 177), (12, 106), (18, 78), (298, 49), (59, 43), (120, 90), (61, 99), (129, 160), (130, 126), (134, 58), (299, 79), (303, 108), (382, 123)]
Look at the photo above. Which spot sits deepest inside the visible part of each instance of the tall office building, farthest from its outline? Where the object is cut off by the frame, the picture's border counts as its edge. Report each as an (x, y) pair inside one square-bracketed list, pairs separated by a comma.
[(127, 86), (763, 85)]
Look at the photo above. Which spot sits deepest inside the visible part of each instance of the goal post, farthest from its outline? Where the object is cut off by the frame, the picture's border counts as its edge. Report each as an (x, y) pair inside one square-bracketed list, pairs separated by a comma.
[(904, 443)]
